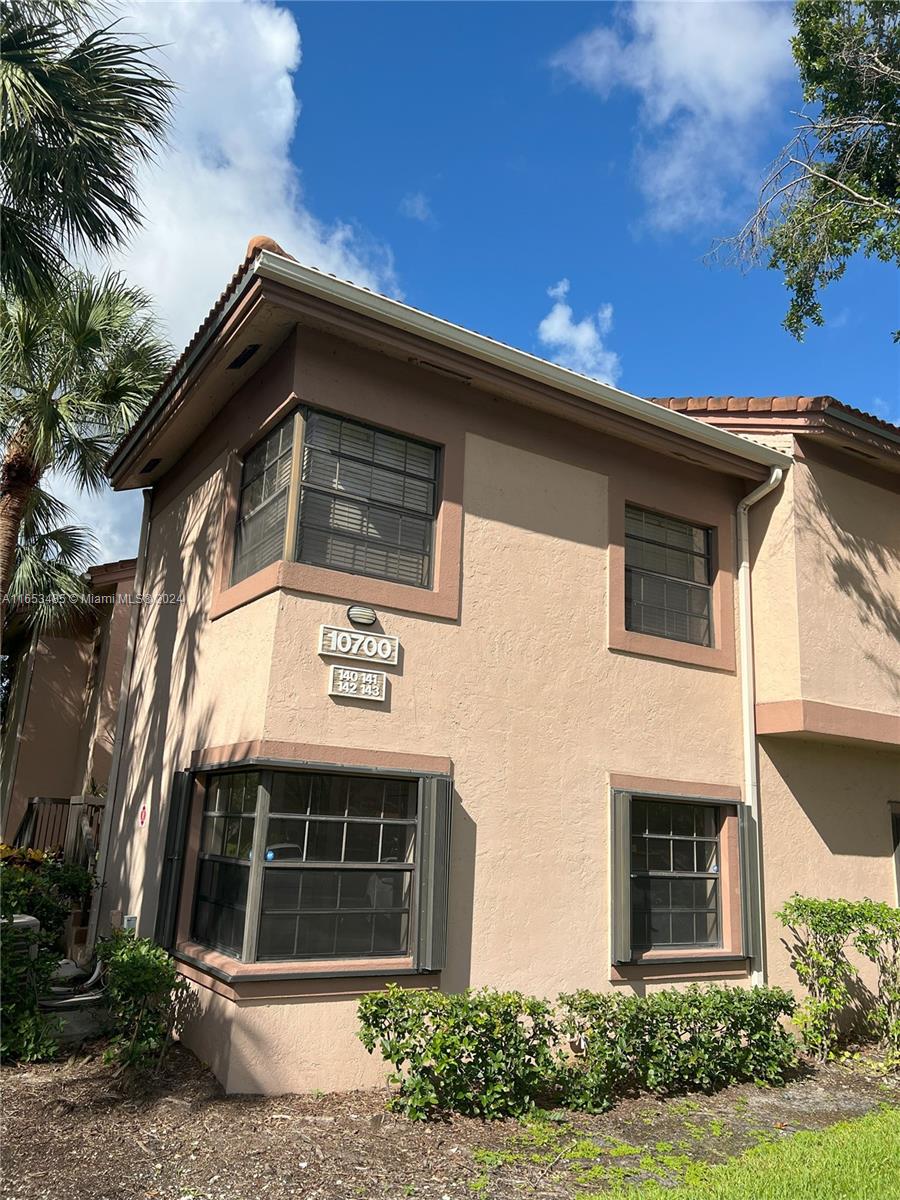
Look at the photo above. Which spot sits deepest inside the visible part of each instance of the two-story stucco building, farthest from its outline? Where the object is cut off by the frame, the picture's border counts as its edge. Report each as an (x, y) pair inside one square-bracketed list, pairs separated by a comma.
[(477, 671)]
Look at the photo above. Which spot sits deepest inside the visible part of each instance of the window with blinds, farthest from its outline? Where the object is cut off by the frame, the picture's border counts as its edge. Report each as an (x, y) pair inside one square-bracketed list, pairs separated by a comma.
[(674, 874), (262, 512), (668, 577), (365, 500)]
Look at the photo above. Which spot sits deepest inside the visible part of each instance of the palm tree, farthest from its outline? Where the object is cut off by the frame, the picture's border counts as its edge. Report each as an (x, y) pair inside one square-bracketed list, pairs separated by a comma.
[(80, 108), (76, 369)]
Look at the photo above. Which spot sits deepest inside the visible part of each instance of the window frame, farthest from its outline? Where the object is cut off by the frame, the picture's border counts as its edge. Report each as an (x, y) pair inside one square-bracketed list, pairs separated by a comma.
[(704, 504), (717, 875), (734, 942), (299, 416), (707, 556), (429, 872)]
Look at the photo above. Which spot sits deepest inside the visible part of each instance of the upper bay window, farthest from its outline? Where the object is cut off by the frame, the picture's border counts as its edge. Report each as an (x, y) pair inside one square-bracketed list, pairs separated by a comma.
[(335, 493), (668, 577)]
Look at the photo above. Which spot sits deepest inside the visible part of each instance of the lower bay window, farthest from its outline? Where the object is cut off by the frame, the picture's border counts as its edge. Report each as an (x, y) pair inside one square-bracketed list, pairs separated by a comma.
[(319, 866), (677, 878)]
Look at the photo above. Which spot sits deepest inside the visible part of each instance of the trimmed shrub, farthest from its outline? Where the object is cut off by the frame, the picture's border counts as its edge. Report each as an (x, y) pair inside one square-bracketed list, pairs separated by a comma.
[(41, 886), (480, 1053), (699, 1039), (494, 1054), (148, 999)]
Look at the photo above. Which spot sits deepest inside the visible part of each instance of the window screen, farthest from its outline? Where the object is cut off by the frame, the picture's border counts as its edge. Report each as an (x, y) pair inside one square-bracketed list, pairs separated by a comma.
[(367, 501), (668, 577), (262, 512), (674, 874)]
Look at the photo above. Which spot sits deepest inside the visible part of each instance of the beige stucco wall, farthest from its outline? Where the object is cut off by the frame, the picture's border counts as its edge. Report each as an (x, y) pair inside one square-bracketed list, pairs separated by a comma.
[(48, 762), (826, 826), (522, 693), (194, 683), (826, 589), (848, 573)]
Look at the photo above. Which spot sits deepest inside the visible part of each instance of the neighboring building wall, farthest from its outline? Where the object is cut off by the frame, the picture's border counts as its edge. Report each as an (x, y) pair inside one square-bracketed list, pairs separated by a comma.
[(47, 761), (72, 690), (521, 692)]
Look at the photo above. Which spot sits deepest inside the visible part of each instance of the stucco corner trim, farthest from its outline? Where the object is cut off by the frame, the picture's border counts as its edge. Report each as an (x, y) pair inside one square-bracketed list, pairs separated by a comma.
[(816, 719)]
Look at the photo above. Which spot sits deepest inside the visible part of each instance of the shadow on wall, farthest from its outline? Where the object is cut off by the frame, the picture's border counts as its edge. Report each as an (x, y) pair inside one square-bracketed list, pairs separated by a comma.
[(861, 566), (843, 791), (161, 727), (457, 974)]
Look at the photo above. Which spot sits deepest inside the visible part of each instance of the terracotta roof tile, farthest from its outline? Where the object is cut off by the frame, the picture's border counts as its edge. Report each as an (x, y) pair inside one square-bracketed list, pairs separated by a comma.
[(768, 404)]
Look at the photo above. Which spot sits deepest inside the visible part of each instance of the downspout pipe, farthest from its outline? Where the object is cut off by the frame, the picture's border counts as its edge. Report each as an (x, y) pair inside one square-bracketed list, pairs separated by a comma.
[(753, 870), (112, 787)]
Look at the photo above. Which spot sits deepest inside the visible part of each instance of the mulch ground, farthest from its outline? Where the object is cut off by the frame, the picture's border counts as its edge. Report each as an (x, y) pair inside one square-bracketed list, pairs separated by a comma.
[(78, 1131)]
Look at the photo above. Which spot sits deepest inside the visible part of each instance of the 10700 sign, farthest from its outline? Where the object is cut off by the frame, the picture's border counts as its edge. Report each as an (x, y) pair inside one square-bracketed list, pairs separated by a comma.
[(351, 643)]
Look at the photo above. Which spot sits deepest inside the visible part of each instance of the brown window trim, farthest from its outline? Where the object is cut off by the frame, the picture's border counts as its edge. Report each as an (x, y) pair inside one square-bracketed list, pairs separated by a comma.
[(705, 961), (713, 513), (442, 599)]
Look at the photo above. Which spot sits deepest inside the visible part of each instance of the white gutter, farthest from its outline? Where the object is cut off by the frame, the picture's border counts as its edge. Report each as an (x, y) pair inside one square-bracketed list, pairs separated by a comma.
[(753, 869), (497, 354), (112, 787)]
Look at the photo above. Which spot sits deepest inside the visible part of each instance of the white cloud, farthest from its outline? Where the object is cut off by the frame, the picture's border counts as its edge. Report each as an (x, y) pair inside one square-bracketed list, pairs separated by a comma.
[(708, 75), (579, 344), (226, 175), (417, 207)]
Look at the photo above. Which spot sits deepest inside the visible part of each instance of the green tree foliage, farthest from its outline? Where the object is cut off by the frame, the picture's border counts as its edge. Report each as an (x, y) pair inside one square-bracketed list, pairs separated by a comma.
[(81, 106), (835, 190), (76, 369)]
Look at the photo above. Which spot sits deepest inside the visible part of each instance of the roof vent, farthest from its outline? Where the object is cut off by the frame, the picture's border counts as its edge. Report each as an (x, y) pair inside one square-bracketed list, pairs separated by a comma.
[(245, 355), (150, 465)]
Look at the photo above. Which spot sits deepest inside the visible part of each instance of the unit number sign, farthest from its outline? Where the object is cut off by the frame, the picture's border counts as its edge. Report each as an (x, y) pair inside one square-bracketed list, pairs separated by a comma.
[(351, 643), (357, 683)]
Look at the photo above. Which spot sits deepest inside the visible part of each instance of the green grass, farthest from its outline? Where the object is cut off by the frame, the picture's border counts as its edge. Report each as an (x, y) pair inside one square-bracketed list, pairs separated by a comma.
[(855, 1160)]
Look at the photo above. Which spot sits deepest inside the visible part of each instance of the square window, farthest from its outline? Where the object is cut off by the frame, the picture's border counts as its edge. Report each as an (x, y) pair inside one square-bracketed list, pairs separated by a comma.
[(362, 842)]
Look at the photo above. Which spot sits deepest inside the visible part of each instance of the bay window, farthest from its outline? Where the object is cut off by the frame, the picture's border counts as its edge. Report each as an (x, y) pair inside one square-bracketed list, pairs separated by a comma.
[(320, 865), (340, 494)]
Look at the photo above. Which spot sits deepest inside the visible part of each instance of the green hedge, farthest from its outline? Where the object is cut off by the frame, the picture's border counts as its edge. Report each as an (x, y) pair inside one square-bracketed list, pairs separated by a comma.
[(484, 1053), (699, 1039), (493, 1054)]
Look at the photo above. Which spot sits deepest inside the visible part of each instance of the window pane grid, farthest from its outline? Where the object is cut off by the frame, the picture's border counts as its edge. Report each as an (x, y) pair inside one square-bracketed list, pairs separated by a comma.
[(668, 574), (674, 874)]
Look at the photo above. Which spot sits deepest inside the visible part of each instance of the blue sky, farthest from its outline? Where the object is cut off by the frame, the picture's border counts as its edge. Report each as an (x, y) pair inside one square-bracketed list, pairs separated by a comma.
[(475, 158), (530, 178)]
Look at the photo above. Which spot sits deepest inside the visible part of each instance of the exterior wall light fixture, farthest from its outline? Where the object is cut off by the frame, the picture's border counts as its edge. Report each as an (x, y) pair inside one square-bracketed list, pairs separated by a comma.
[(361, 614)]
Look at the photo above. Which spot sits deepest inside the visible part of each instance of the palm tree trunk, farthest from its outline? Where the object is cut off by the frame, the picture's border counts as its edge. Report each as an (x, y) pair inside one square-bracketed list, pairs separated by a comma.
[(17, 478)]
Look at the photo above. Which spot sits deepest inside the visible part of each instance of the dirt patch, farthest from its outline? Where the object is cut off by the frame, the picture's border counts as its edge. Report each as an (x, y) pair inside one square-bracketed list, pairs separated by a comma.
[(77, 1131)]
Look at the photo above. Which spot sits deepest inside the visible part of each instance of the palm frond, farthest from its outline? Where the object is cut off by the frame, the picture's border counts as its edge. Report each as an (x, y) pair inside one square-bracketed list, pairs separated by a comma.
[(81, 108)]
